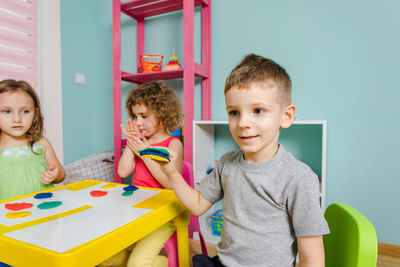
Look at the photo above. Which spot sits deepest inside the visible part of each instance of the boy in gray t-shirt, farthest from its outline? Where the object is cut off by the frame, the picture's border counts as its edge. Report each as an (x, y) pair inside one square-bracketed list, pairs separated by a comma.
[(271, 200)]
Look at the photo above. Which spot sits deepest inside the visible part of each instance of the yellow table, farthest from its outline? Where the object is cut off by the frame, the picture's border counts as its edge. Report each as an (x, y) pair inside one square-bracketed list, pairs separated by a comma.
[(29, 242)]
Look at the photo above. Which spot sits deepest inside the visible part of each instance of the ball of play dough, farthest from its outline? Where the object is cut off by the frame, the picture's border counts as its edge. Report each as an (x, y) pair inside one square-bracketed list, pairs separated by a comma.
[(49, 205), (18, 214), (43, 195), (98, 193), (18, 206)]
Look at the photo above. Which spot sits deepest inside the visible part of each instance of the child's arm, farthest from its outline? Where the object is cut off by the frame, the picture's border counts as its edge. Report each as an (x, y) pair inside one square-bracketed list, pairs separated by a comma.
[(192, 199), (55, 172), (126, 164), (135, 142), (311, 251), (176, 147)]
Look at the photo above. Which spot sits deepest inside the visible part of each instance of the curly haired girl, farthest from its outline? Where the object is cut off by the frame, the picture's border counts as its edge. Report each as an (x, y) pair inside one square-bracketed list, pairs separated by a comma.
[(155, 111)]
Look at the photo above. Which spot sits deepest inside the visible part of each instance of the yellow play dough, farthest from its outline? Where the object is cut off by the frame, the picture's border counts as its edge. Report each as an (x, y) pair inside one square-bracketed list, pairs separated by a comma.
[(18, 214), (156, 158), (108, 186)]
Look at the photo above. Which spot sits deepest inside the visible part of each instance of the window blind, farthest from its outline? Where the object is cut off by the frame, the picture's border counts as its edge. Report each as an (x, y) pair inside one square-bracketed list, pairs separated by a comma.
[(18, 40)]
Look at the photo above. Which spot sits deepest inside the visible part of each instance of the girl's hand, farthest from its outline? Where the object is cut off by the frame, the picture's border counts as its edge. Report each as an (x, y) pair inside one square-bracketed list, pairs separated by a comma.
[(137, 143), (50, 175), (134, 141), (131, 129)]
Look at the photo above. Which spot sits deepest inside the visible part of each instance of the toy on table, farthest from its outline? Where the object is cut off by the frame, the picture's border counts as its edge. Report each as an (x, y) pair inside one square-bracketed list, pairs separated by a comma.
[(173, 63), (43, 195), (18, 214), (150, 63), (18, 206), (159, 154), (49, 205), (130, 188), (98, 193)]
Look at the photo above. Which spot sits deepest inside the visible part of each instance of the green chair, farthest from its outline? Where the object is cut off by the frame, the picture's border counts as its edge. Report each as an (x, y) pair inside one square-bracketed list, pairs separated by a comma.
[(352, 241)]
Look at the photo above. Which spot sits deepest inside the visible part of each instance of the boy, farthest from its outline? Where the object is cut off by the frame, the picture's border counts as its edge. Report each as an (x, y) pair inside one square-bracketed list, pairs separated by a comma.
[(271, 200)]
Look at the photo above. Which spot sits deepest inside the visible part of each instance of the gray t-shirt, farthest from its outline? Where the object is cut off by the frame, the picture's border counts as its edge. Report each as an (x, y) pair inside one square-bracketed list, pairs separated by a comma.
[(266, 206)]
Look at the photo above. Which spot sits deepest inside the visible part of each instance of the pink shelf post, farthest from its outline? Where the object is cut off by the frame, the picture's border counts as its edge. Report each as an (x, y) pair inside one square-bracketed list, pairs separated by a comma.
[(117, 85), (206, 60), (139, 41), (188, 78)]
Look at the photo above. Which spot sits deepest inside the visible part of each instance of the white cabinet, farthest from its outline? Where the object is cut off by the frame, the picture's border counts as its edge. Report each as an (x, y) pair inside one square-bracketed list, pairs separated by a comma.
[(305, 139)]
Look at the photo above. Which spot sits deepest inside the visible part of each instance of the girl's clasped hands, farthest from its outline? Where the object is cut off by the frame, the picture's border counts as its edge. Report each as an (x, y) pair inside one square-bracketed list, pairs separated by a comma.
[(135, 140)]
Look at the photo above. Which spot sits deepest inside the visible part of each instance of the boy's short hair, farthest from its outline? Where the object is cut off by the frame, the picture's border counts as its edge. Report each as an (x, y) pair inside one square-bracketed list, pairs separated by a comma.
[(161, 99), (258, 69)]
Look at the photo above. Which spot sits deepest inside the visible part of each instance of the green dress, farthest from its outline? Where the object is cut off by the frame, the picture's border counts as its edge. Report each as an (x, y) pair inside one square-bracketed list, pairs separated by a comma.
[(21, 170)]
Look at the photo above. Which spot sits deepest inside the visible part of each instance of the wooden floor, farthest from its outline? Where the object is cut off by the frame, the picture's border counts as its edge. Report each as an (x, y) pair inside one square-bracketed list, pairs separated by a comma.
[(383, 260), (387, 261)]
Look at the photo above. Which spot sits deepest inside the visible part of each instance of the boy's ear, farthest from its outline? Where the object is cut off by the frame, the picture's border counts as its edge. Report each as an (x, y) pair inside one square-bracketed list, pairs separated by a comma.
[(288, 116)]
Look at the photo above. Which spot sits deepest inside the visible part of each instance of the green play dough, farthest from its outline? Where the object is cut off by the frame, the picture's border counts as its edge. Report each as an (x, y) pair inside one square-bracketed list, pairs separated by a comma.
[(49, 205), (156, 149), (127, 193)]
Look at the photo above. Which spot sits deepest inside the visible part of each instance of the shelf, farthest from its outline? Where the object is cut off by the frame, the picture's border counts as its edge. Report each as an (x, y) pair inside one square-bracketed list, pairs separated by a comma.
[(140, 9), (199, 71)]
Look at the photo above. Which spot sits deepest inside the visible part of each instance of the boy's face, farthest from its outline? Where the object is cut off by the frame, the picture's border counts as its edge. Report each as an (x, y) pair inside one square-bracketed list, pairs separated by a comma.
[(255, 118)]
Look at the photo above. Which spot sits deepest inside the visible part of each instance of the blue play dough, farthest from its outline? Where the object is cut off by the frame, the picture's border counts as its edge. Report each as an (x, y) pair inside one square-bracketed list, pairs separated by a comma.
[(130, 188), (150, 152), (43, 195)]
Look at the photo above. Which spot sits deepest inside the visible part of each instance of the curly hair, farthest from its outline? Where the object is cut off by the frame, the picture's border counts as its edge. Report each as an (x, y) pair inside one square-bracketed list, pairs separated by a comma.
[(161, 99), (35, 132)]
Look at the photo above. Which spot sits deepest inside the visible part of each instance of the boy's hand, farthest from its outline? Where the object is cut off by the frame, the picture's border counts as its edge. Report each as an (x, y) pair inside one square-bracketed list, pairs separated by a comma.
[(167, 167), (50, 175)]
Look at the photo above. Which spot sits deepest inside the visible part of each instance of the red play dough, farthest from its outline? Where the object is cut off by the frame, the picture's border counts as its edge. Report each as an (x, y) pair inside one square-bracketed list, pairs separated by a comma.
[(98, 193), (18, 206)]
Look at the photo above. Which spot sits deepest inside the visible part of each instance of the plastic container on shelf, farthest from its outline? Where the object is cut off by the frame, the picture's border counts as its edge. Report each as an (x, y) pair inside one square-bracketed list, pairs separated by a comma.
[(150, 63), (216, 221)]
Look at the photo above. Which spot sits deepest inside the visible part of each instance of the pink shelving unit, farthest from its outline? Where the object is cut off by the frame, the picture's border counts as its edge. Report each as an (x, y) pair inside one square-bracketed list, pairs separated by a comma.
[(140, 10)]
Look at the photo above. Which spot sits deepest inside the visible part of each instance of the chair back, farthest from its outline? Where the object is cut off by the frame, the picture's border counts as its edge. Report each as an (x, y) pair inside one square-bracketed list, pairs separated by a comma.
[(187, 173), (352, 241), (194, 224)]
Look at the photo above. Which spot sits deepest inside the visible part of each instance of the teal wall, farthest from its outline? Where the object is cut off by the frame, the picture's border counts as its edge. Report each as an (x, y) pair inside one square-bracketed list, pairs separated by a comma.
[(86, 43), (343, 58)]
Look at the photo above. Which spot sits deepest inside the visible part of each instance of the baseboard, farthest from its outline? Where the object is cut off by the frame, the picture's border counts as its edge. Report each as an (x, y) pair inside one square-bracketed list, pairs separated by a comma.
[(389, 250)]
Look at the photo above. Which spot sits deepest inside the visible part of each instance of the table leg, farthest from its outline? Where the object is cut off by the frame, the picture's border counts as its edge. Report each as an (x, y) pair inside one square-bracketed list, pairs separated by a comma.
[(182, 222)]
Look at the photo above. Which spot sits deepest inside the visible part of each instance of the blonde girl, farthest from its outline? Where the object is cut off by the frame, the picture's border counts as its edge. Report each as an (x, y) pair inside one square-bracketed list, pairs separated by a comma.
[(28, 162)]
